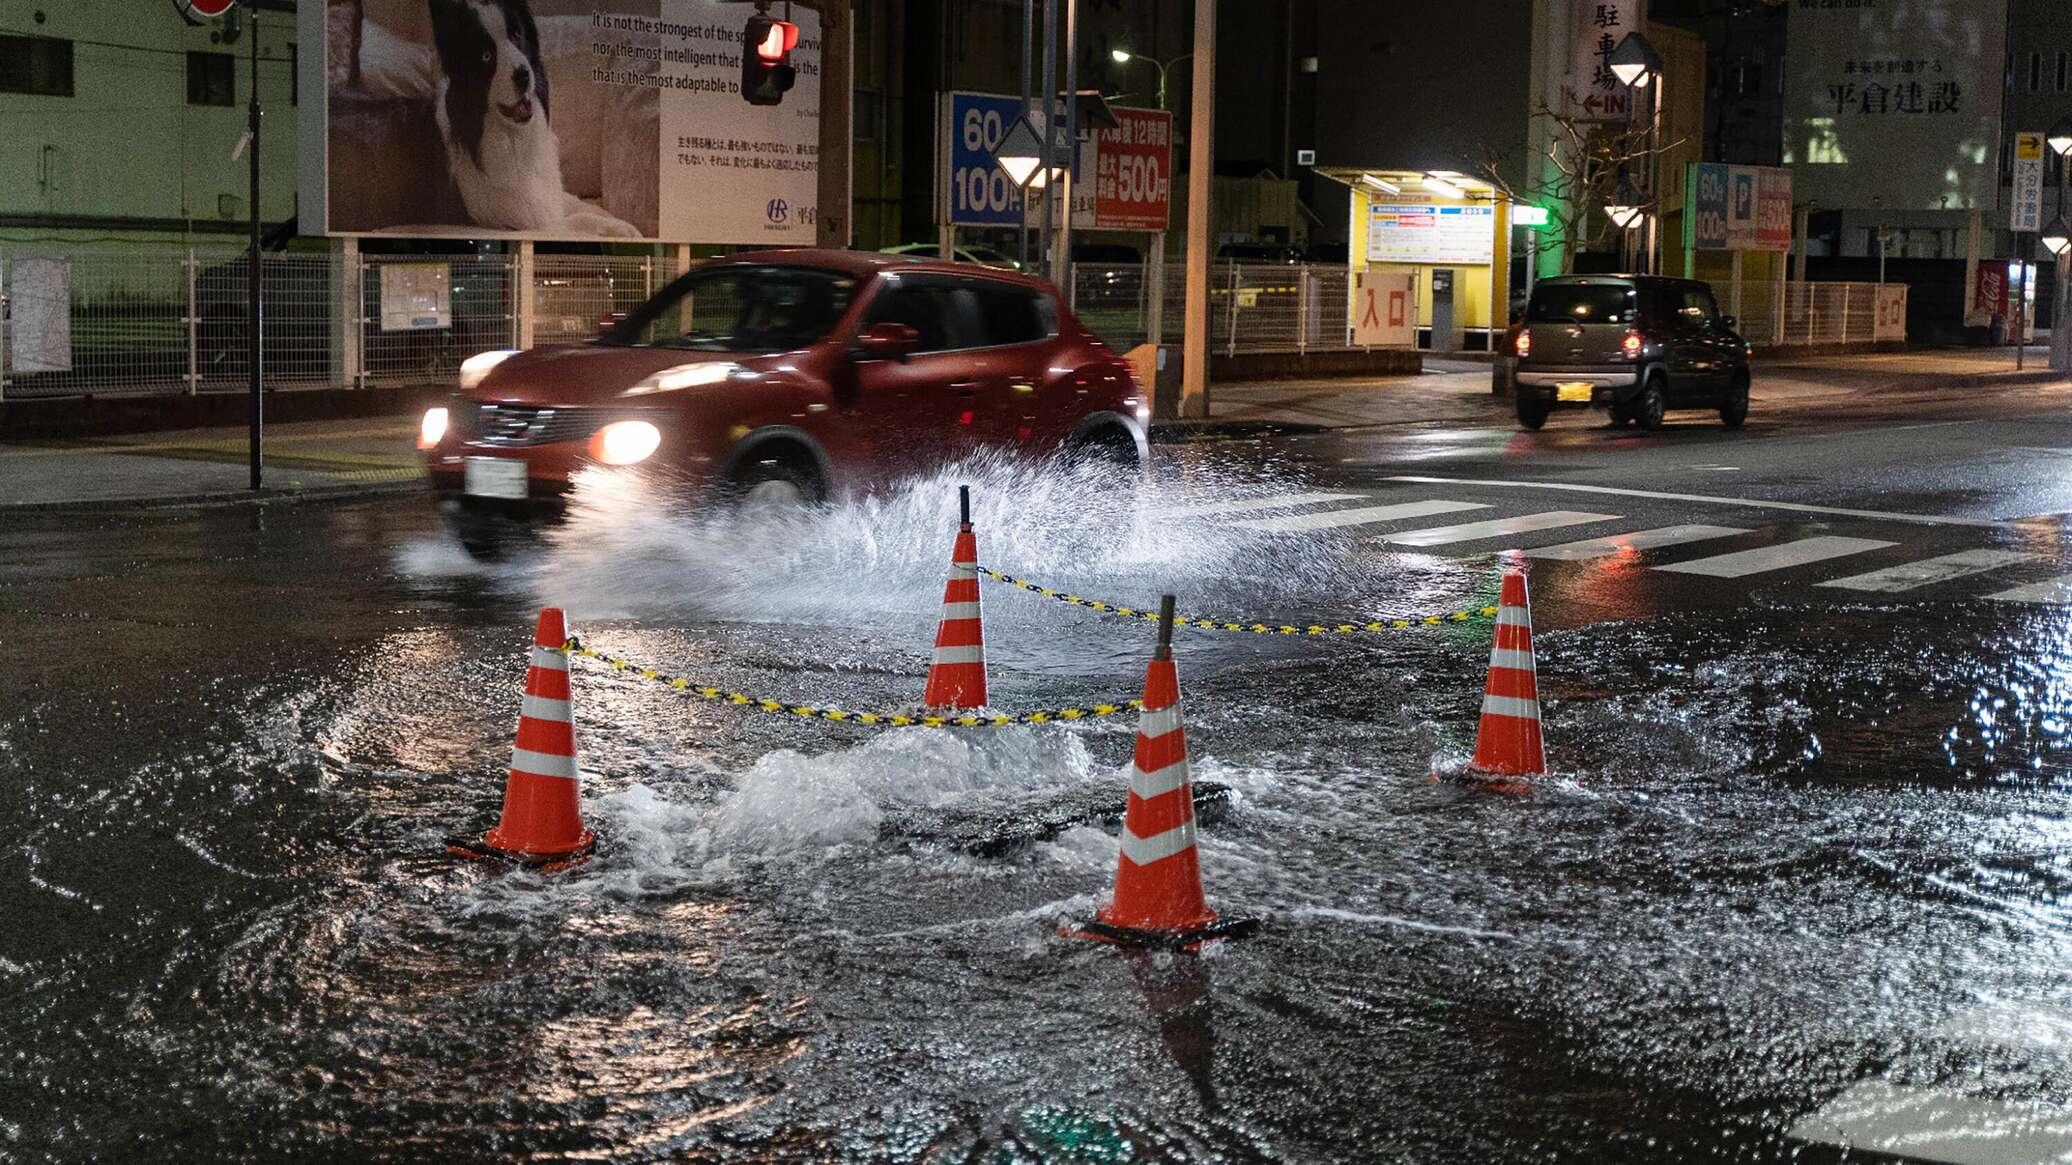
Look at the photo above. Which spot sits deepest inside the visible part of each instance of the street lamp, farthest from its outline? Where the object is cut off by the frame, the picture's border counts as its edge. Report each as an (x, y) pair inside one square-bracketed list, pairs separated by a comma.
[(2055, 237), (1633, 61), (1124, 57), (1020, 152), (2060, 136), (1626, 205)]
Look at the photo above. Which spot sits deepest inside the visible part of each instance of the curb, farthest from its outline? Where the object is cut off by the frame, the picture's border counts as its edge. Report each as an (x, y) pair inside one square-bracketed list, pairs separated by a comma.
[(316, 493)]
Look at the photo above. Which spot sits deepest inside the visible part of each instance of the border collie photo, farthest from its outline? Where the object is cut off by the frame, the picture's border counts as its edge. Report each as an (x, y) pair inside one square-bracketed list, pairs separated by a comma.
[(446, 113)]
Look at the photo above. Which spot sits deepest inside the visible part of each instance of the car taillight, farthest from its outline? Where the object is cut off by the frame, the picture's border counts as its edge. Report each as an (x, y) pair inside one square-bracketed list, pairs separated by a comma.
[(1632, 344), (1524, 344)]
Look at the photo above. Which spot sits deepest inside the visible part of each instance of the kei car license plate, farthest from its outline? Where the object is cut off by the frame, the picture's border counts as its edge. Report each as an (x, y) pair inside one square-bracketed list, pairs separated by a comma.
[(1579, 392), (494, 477)]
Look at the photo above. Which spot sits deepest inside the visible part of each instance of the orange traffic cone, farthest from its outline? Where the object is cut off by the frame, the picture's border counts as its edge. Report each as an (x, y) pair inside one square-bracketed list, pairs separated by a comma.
[(957, 675), (1509, 740), (542, 824), (1158, 898)]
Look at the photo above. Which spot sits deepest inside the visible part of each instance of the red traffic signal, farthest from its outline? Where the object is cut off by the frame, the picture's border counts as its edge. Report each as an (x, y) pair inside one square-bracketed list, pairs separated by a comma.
[(211, 8), (766, 70)]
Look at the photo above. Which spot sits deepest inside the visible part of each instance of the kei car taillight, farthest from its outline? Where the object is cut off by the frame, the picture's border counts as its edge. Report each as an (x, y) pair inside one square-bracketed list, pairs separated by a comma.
[(1524, 344), (1632, 344)]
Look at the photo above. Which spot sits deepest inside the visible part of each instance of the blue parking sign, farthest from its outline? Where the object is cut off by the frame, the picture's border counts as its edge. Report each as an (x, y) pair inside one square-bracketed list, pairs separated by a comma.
[(980, 194)]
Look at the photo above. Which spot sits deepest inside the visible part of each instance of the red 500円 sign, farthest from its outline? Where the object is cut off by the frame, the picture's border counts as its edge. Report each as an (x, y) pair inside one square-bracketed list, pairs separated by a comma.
[(1133, 172)]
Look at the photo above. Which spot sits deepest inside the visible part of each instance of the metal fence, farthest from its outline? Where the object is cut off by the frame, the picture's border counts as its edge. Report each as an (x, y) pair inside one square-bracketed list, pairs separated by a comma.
[(159, 321)]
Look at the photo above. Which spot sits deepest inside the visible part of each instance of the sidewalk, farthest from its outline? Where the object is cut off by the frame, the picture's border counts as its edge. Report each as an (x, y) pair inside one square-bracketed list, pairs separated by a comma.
[(303, 459)]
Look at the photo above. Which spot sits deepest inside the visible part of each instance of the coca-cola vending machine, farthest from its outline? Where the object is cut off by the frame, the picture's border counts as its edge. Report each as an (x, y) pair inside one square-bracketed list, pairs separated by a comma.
[(1993, 298)]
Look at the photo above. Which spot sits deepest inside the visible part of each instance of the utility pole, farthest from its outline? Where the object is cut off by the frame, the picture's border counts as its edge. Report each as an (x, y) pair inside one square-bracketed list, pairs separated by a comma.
[(1201, 193), (253, 314), (1061, 264), (831, 223), (1021, 230)]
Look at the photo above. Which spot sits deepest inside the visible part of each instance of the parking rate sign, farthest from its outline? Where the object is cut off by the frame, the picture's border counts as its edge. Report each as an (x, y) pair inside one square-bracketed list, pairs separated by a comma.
[(978, 193), (1133, 171)]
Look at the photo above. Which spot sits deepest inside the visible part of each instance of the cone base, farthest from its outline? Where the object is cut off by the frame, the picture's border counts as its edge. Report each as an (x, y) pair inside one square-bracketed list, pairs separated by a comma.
[(481, 849), (1185, 939)]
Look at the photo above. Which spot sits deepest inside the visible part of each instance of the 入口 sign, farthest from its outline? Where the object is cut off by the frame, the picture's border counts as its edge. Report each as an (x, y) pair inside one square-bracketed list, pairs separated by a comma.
[(1384, 311)]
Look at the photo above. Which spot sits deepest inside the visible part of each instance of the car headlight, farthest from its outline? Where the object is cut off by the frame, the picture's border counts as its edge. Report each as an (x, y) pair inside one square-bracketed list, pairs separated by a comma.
[(432, 429), (475, 368), (625, 442), (685, 376)]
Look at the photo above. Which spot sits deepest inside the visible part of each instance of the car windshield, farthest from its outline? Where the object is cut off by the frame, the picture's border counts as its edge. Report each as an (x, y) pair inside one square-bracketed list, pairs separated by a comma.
[(740, 309), (1581, 303)]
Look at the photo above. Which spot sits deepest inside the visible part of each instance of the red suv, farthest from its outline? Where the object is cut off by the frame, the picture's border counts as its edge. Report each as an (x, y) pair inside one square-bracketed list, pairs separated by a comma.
[(784, 375)]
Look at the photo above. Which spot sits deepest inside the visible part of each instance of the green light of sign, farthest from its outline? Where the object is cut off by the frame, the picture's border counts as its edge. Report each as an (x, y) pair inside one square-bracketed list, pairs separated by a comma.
[(1528, 216)]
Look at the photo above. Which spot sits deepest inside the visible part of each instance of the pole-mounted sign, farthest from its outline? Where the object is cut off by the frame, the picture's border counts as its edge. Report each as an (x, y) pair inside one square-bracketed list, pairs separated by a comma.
[(210, 9)]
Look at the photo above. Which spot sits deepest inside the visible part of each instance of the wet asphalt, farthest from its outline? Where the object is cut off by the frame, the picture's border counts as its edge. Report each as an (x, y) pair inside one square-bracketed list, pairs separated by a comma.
[(1805, 841)]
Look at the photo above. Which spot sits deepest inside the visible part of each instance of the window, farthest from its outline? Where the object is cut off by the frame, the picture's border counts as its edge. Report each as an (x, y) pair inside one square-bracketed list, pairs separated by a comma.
[(1009, 315), (211, 79), (1697, 306), (2061, 70), (740, 309), (2035, 71), (930, 309), (1581, 303), (36, 64)]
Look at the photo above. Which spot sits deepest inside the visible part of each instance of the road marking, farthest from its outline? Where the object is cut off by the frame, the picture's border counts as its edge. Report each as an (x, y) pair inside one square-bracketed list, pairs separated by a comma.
[(1639, 540), (1276, 502), (1497, 528), (1778, 557), (1794, 507), (1357, 517), (1923, 1124), (1907, 576), (2050, 590)]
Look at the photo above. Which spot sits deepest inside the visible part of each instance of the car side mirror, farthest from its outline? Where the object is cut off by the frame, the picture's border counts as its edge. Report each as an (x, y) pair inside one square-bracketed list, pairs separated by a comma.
[(887, 341), (1731, 323)]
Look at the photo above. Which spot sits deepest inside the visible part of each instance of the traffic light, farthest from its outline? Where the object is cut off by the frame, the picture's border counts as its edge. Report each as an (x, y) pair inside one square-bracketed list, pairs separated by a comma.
[(766, 71)]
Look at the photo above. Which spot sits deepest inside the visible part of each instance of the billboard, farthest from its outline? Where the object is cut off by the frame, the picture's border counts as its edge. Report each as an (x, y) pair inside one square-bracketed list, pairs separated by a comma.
[(1133, 172), (1909, 92), (552, 120), (979, 193), (1405, 230), (1122, 176), (1737, 208), (1590, 91)]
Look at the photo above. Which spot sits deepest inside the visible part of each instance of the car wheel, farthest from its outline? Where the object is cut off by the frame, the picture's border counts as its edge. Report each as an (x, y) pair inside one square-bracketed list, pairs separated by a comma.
[(1734, 410), (1105, 448), (1533, 411), (1649, 407), (774, 483)]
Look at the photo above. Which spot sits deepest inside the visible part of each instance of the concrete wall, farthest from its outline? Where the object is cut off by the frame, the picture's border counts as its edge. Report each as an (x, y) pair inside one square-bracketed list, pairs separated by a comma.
[(127, 144)]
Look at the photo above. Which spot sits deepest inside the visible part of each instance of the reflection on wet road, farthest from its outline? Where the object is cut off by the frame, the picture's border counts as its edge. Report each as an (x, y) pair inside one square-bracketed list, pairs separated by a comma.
[(1804, 871)]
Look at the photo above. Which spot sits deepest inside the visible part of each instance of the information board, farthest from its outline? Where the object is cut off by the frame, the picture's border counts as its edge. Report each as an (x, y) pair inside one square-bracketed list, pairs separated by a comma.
[(1405, 231), (1133, 172)]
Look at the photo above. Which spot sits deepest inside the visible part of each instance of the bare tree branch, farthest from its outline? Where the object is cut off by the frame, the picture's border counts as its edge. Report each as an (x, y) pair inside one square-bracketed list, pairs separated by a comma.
[(1573, 178)]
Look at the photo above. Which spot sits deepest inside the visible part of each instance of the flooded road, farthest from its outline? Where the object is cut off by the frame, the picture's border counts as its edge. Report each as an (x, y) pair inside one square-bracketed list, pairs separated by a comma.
[(1802, 839)]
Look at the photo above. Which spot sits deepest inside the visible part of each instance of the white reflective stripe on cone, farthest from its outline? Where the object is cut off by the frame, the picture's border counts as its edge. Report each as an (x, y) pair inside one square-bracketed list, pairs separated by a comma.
[(543, 764), (1156, 722), (964, 570), (551, 658), (1511, 706), (1145, 850), (544, 708), (960, 610), (1149, 785), (1510, 657), (1512, 617), (960, 655)]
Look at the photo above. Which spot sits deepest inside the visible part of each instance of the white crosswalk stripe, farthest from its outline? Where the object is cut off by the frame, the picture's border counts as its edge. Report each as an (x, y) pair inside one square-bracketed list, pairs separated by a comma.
[(1361, 516), (1497, 528), (1638, 540), (1276, 502), (2050, 590), (1907, 576), (1742, 563)]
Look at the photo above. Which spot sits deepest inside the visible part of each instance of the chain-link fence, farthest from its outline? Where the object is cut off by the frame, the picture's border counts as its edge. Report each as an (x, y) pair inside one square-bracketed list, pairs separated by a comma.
[(171, 321)]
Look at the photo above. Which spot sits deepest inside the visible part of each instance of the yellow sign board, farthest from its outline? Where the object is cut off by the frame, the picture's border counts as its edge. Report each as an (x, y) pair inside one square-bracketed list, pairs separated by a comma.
[(2028, 147)]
